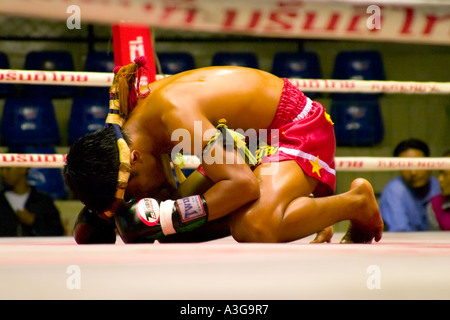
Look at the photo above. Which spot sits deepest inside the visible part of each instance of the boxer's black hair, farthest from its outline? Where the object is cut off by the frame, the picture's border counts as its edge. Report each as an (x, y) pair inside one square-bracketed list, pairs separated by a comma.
[(91, 169)]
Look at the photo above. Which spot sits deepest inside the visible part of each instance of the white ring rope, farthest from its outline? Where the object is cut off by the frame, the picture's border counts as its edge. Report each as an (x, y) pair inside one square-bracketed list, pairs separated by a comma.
[(191, 162), (104, 79)]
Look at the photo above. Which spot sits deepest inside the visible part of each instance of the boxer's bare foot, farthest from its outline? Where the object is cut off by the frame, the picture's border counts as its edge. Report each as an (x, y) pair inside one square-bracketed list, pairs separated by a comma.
[(324, 236), (367, 223)]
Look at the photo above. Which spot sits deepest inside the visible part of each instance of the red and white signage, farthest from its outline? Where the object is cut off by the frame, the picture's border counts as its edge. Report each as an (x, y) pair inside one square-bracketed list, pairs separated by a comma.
[(32, 160), (131, 41), (413, 21)]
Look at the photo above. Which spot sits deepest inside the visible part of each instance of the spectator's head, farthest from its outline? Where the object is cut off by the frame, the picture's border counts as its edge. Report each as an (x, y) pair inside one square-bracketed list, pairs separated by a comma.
[(444, 179), (414, 148), (15, 177)]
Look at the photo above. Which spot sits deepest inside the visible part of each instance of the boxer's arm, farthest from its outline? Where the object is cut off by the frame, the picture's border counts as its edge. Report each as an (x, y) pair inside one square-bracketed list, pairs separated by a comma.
[(195, 183), (235, 185), (198, 183)]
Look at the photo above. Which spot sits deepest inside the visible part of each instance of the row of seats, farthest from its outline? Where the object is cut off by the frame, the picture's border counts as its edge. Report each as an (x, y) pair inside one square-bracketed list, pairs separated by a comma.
[(32, 121), (348, 65)]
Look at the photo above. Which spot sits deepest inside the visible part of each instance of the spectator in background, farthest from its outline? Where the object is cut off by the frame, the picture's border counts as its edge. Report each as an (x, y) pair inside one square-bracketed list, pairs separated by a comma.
[(439, 208), (404, 200), (25, 211)]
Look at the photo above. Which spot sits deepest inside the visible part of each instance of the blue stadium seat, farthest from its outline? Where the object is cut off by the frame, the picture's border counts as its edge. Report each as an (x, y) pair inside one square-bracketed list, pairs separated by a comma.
[(49, 61), (29, 121), (48, 180), (304, 65), (6, 89), (98, 61), (175, 62), (358, 65), (87, 115), (243, 59), (357, 122)]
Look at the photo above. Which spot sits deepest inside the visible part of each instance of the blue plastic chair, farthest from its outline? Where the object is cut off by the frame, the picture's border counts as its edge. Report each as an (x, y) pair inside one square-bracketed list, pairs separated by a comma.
[(175, 62), (48, 180), (243, 59), (303, 65), (29, 121), (358, 65), (49, 61), (98, 61), (87, 115), (357, 122), (6, 89)]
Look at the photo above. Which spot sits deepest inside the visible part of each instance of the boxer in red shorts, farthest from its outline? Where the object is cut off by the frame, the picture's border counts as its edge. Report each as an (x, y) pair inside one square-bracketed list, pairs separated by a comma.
[(306, 135), (268, 201)]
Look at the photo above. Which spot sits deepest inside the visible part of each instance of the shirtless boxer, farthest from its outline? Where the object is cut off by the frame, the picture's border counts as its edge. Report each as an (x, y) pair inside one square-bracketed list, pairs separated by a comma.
[(260, 206)]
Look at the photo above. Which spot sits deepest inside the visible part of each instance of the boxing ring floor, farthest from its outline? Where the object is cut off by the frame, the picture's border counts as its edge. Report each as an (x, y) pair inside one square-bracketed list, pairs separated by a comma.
[(400, 266)]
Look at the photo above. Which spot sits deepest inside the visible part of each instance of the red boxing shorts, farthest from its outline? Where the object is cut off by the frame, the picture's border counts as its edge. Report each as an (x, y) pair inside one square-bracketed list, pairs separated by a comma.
[(303, 132)]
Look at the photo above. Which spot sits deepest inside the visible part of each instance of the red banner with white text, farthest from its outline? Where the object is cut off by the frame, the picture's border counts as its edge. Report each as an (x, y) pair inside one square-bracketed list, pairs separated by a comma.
[(415, 21), (131, 41)]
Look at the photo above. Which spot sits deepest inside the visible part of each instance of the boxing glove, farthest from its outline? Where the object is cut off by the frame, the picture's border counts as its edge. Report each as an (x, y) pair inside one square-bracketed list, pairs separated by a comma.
[(145, 220), (91, 229)]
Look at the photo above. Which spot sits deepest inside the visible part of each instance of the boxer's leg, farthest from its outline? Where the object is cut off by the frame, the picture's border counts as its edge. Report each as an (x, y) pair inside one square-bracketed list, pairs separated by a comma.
[(261, 221), (357, 205), (284, 212)]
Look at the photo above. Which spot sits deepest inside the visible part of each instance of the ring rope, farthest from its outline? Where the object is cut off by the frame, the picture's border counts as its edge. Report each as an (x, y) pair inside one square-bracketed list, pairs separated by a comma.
[(104, 79), (192, 162)]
